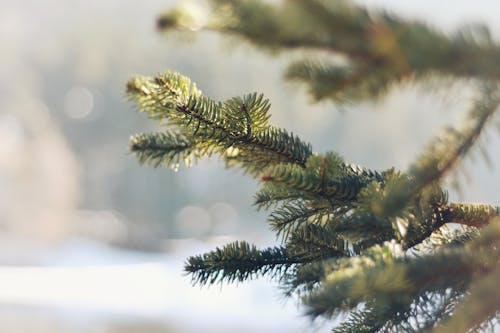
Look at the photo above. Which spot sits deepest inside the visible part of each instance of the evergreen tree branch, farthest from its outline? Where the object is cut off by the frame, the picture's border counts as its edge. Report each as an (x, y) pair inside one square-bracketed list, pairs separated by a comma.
[(446, 236), (341, 83), (474, 215), (440, 309), (361, 321), (319, 242), (357, 241), (367, 174), (364, 228), (323, 245), (379, 277), (270, 147), (321, 25), (481, 304), (288, 218), (444, 153), (237, 129), (403, 196), (272, 196), (164, 148), (379, 48), (323, 177), (411, 316), (238, 261), (305, 278)]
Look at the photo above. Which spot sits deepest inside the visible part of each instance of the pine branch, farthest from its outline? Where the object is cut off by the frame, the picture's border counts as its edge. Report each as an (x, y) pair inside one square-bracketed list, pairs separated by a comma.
[(481, 304), (380, 49), (367, 175), (429, 218), (272, 196), (323, 177), (358, 241), (319, 243), (324, 248), (237, 129), (361, 321), (441, 309), (377, 276), (166, 148), (364, 228), (342, 83), (264, 149), (412, 316), (474, 215), (444, 153), (447, 236), (274, 27), (238, 261), (352, 282), (288, 218), (402, 197)]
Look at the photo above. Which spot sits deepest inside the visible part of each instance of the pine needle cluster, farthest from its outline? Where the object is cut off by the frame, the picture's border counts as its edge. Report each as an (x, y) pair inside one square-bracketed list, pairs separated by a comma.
[(375, 245)]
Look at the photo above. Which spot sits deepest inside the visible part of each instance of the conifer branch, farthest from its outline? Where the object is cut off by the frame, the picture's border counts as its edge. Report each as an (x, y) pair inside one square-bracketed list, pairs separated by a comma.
[(474, 215), (443, 154), (379, 48), (480, 305), (340, 83), (367, 174), (270, 147), (163, 148), (451, 237), (367, 228), (319, 241), (237, 129), (323, 177), (287, 218), (362, 321), (397, 196), (270, 27), (238, 261), (271, 196), (405, 315), (377, 276), (368, 243), (305, 278)]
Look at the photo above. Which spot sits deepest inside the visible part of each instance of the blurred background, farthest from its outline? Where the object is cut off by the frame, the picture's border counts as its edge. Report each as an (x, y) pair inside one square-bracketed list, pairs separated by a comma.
[(92, 242)]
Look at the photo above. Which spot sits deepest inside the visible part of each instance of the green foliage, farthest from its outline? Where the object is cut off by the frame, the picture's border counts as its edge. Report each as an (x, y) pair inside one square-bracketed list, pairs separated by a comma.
[(237, 262), (164, 148), (370, 244), (378, 277), (378, 49), (237, 129)]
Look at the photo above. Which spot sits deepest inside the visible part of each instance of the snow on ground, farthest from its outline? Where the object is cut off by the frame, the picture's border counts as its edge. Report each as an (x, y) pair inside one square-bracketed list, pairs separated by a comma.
[(87, 281)]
